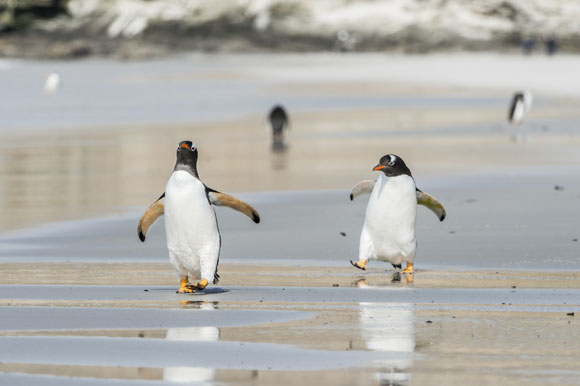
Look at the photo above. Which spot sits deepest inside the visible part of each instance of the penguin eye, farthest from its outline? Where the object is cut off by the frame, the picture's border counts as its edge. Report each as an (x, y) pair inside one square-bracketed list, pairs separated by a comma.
[(391, 163)]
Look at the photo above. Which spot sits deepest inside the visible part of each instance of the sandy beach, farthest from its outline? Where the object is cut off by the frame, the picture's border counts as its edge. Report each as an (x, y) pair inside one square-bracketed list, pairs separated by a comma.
[(496, 295)]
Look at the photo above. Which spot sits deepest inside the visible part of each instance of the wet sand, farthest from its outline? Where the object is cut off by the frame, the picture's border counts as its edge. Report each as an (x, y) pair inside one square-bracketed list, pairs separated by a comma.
[(495, 298), (499, 326)]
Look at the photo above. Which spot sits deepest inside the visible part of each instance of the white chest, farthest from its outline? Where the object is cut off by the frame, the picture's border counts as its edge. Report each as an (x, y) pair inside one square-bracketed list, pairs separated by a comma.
[(190, 219), (519, 112), (392, 207)]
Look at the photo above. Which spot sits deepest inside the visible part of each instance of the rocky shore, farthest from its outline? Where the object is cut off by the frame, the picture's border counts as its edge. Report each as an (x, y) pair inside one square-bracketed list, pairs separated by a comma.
[(141, 29)]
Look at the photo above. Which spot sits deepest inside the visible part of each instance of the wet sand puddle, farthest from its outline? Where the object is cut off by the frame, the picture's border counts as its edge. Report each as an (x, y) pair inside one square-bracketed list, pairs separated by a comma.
[(346, 328)]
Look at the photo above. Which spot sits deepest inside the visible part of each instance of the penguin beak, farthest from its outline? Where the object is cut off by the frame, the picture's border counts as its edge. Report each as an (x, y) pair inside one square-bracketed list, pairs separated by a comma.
[(185, 146), (378, 167)]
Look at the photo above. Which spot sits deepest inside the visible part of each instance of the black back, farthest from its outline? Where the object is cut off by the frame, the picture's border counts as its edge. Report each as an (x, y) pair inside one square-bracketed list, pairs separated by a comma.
[(393, 165), (517, 98)]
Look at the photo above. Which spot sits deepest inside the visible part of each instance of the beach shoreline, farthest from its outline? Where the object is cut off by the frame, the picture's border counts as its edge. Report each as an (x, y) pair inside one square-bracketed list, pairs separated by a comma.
[(495, 296)]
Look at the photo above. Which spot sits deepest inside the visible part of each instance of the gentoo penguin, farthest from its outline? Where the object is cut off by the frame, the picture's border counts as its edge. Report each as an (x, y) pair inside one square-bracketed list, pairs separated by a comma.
[(520, 105), (193, 237), (388, 232), (52, 83), (278, 123)]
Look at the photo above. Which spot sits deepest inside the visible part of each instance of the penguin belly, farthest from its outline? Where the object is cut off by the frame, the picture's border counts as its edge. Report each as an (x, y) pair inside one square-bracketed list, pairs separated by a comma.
[(389, 228), (519, 111), (193, 238)]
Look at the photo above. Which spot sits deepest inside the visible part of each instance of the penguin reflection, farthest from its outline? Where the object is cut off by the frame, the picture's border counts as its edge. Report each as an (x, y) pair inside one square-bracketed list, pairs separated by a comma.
[(192, 334), (279, 122), (396, 279), (388, 327)]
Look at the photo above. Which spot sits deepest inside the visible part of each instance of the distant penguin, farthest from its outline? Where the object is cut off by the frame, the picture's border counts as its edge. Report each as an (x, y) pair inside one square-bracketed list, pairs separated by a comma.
[(52, 83), (521, 103), (193, 237), (388, 232), (279, 122)]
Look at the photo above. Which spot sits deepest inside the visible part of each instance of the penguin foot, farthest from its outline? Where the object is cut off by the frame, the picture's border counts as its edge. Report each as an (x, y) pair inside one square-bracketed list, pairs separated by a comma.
[(361, 264), (188, 289), (199, 286), (408, 269), (185, 287)]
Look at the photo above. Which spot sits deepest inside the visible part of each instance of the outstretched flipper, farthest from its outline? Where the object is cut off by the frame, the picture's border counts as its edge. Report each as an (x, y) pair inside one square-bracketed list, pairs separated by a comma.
[(157, 209), (222, 199), (151, 215), (432, 204), (366, 186), (361, 188)]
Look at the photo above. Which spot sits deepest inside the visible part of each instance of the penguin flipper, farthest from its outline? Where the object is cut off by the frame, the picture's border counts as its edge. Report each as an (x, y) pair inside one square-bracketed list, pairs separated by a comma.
[(432, 204), (151, 215), (222, 199), (361, 188)]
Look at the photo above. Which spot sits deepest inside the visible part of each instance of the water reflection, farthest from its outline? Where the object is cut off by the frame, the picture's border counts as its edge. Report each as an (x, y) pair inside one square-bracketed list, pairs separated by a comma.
[(388, 327), (198, 305), (396, 279), (200, 375), (279, 158)]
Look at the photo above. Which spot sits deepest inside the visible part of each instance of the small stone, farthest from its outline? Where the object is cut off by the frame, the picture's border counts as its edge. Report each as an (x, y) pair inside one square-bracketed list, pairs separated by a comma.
[(343, 234), (558, 187), (513, 286), (335, 285), (570, 314), (428, 322)]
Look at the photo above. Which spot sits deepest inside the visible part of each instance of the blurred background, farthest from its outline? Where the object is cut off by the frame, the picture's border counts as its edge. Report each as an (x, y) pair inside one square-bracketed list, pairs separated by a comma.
[(96, 94)]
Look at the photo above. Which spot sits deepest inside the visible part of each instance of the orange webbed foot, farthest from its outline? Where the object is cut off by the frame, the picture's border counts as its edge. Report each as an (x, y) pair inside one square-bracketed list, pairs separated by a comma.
[(361, 264)]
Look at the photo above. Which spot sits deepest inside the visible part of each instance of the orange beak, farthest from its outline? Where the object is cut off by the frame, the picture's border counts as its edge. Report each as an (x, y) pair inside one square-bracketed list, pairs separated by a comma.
[(184, 145), (378, 167)]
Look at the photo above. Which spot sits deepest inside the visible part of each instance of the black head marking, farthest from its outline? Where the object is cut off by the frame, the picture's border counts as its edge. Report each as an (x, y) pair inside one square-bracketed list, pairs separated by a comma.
[(186, 157), (392, 165)]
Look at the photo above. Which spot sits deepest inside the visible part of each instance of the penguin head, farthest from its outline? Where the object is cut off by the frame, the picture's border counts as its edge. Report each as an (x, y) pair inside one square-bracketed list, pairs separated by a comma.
[(392, 165), (187, 157)]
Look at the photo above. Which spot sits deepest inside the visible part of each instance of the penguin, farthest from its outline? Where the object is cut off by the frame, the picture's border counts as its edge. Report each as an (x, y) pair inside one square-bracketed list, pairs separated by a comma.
[(193, 237), (52, 83), (278, 123), (521, 103), (388, 232)]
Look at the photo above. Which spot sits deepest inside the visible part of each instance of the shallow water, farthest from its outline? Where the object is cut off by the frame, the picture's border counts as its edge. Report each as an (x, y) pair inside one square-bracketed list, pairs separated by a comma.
[(493, 222), (495, 288)]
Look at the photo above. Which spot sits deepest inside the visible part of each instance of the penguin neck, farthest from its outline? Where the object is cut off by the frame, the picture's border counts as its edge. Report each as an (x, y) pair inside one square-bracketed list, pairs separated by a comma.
[(383, 178), (186, 167)]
